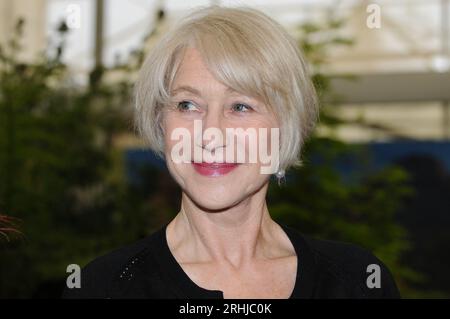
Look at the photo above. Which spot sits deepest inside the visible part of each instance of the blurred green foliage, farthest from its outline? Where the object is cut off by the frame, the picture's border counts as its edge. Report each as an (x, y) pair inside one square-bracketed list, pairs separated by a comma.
[(58, 170), (63, 178)]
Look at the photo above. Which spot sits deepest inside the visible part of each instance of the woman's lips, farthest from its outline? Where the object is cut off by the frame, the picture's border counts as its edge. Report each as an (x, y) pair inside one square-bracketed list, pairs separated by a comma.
[(214, 169)]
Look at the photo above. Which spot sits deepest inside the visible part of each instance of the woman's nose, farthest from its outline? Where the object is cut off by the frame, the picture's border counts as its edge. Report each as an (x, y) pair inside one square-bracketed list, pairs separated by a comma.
[(213, 125)]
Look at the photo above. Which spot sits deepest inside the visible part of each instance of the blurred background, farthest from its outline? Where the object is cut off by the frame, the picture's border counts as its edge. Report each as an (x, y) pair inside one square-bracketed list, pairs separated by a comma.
[(76, 181)]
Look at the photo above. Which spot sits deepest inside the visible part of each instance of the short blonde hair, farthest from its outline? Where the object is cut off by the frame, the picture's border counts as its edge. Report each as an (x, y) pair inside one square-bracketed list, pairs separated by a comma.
[(247, 51)]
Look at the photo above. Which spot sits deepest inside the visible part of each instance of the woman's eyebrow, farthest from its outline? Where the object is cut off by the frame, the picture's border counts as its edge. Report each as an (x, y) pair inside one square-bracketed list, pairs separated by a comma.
[(186, 88), (194, 91), (197, 92)]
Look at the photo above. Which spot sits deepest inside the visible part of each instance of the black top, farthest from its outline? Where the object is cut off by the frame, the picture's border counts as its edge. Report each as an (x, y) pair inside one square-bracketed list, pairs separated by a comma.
[(147, 269)]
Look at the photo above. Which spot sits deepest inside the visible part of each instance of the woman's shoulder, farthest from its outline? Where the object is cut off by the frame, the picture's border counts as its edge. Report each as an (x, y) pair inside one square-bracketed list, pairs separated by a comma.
[(353, 271), (341, 254), (98, 276), (363, 274)]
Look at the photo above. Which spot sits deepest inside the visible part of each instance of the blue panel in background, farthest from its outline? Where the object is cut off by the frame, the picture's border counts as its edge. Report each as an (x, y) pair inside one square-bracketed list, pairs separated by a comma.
[(135, 159), (381, 155), (388, 152)]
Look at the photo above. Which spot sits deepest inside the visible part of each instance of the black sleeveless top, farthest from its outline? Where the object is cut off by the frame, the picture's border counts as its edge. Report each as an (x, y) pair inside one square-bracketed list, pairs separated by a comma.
[(147, 269)]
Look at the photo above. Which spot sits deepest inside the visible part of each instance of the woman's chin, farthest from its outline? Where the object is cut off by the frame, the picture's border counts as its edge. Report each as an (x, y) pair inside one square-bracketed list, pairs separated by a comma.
[(211, 201)]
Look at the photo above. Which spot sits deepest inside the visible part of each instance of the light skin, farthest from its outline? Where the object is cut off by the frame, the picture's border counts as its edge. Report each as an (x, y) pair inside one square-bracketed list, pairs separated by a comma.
[(224, 237)]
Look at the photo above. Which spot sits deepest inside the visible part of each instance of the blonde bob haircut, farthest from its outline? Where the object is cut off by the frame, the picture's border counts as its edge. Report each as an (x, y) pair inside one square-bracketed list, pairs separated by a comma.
[(245, 50)]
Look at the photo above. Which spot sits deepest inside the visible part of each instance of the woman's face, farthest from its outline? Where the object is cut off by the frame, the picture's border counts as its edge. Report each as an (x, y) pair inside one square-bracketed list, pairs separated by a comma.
[(200, 104)]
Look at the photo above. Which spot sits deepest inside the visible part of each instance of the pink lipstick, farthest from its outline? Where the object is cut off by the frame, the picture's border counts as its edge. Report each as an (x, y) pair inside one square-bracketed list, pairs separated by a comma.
[(214, 169)]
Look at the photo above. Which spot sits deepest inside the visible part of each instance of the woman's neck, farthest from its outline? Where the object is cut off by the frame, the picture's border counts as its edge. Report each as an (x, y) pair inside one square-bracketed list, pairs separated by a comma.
[(236, 235)]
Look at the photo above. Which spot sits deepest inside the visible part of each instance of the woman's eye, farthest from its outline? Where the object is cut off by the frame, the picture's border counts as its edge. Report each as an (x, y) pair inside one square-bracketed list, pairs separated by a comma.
[(239, 107), (186, 106)]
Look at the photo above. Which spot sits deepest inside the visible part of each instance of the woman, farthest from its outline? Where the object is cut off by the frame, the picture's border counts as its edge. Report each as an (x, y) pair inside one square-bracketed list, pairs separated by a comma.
[(221, 75)]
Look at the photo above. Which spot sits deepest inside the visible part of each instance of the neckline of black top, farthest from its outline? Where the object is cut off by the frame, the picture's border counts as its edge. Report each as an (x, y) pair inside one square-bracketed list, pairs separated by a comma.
[(187, 288)]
